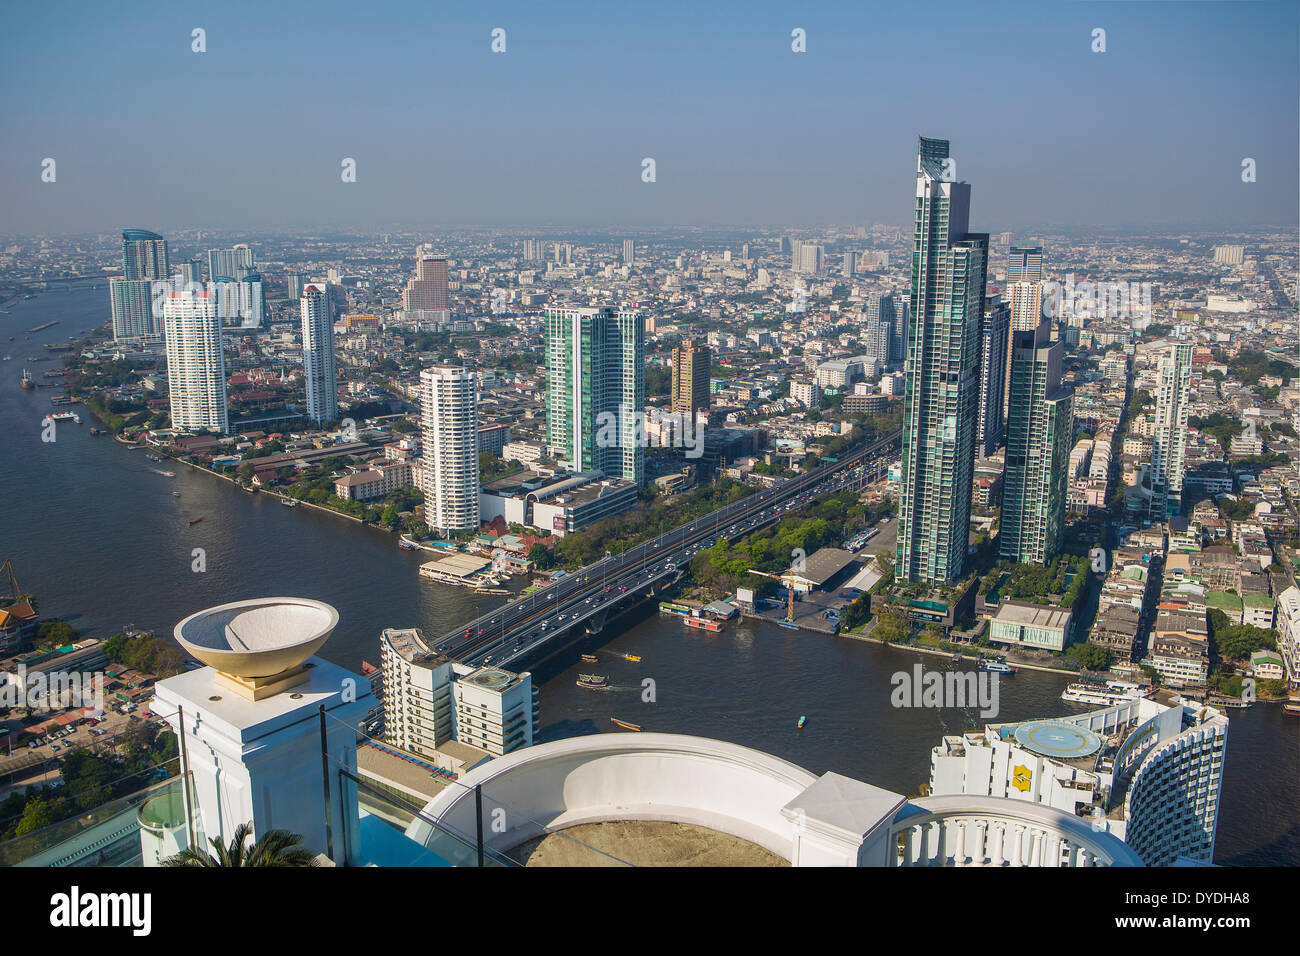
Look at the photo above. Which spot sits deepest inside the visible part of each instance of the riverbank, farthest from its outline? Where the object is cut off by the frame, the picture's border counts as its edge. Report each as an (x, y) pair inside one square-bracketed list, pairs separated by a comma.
[(936, 652)]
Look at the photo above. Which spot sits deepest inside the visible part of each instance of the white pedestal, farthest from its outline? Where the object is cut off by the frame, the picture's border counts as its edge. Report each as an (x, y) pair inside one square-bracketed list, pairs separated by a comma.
[(260, 761)]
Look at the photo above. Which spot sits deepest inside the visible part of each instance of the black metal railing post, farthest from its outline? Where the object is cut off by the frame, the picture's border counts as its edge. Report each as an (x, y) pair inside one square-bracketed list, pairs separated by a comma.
[(478, 815), (325, 780)]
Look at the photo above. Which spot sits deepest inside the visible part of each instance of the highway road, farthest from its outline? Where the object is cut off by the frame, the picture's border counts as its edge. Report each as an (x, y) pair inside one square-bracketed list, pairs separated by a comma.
[(523, 628)]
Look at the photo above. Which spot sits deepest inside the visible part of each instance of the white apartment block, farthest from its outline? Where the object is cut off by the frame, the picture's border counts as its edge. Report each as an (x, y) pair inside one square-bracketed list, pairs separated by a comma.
[(449, 408), (430, 700), (808, 394), (318, 362), (196, 364), (1288, 634), (381, 480)]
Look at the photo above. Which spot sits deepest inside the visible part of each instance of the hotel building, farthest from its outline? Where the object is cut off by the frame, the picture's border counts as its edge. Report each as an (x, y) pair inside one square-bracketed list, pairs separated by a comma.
[(1145, 770)]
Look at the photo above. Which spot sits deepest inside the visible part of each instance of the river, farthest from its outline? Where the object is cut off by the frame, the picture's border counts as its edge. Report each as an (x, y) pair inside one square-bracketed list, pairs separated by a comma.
[(95, 533)]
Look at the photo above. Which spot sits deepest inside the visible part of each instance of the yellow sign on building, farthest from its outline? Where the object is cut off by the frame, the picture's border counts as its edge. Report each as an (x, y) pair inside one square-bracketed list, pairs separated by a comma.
[(1020, 777)]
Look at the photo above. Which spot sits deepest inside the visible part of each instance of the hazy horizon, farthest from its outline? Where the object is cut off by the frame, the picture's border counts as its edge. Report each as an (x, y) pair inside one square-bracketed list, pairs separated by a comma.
[(250, 135)]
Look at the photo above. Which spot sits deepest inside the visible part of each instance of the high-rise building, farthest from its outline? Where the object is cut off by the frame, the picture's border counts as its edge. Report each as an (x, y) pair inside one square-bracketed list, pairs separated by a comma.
[(532, 250), (1025, 264), (1040, 431), (144, 255), (898, 347), (994, 331), (595, 390), (293, 284), (189, 273), (233, 264), (1229, 255), (850, 266), (1026, 301), (940, 409), (239, 302), (1169, 440), (629, 252), (320, 373), (449, 446), (808, 258), (879, 315), (196, 364), (691, 362), (132, 305), (427, 289), (1146, 771)]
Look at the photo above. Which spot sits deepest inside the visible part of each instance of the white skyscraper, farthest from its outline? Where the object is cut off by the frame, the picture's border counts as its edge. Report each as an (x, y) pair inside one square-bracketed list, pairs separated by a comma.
[(230, 263), (629, 252), (196, 365), (320, 372), (449, 409), (1169, 441)]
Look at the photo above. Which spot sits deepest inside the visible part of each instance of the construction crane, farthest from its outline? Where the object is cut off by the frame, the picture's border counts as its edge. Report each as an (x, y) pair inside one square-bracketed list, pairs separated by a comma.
[(788, 580), (8, 566)]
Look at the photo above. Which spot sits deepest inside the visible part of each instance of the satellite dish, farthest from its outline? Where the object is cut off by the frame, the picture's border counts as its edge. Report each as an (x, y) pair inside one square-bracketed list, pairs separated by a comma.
[(258, 647)]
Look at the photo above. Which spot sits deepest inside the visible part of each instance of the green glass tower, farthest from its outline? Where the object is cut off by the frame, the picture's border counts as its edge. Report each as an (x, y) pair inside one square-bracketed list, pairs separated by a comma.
[(940, 410), (595, 390), (1040, 430)]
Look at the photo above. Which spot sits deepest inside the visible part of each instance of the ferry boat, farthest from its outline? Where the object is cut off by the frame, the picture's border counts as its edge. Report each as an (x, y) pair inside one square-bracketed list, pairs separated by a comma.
[(589, 658), (592, 680), (26, 381), (196, 520), (801, 721), (788, 624), (1291, 710), (165, 474), (625, 725), (996, 667), (97, 432), (290, 502), (704, 624), (1104, 693), (66, 417), (631, 657), (176, 494), (668, 607), (491, 591)]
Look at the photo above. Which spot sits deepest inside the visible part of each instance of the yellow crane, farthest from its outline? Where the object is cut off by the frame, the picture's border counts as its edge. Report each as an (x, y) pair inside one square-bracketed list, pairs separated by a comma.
[(788, 580)]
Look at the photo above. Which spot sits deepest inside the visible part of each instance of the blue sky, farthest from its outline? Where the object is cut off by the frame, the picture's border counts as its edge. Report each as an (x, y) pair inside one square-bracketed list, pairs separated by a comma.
[(251, 133)]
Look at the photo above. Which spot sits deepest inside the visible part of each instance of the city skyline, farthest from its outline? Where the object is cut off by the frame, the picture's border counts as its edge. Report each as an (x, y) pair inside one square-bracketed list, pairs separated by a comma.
[(715, 489), (716, 161)]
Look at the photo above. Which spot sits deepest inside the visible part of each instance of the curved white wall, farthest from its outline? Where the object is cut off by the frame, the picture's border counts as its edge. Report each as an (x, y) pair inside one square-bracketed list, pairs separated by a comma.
[(632, 776)]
